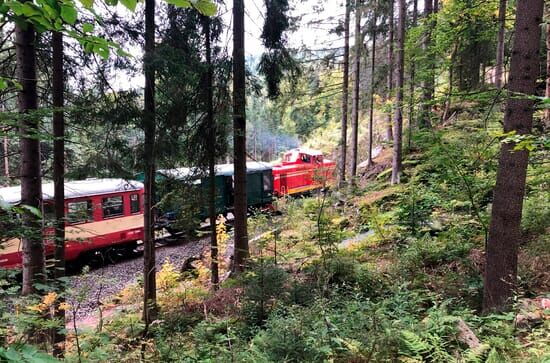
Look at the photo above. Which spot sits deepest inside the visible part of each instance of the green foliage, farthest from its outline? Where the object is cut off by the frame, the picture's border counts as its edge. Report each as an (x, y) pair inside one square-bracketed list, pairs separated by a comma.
[(263, 287), (24, 353), (536, 212)]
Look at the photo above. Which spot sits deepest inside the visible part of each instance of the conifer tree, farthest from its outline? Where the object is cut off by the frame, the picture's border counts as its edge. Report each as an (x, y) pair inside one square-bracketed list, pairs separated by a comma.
[(239, 139), (58, 176), (345, 91), (398, 108), (30, 173), (355, 110), (505, 227), (149, 127)]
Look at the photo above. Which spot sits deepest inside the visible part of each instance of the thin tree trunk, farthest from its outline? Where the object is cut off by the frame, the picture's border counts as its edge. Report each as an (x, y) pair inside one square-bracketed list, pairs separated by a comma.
[(426, 84), (6, 157), (31, 178), (371, 101), (59, 180), (500, 43), (214, 278), (411, 83), (504, 230), (149, 269), (356, 88), (389, 131), (449, 97), (345, 88), (398, 132), (547, 93), (241, 252)]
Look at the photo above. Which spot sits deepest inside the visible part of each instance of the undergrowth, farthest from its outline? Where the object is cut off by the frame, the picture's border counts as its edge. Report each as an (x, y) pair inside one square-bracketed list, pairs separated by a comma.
[(398, 292)]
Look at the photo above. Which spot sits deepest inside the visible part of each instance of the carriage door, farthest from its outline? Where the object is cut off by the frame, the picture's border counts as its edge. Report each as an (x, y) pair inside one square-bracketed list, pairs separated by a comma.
[(284, 186)]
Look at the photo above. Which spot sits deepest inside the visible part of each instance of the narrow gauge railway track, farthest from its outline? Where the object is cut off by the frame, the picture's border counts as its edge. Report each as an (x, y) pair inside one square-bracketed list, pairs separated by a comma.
[(88, 291)]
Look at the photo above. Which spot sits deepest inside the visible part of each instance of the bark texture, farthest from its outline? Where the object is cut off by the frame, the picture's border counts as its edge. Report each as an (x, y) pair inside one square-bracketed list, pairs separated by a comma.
[(499, 66), (149, 126), (547, 93), (371, 100), (30, 173), (427, 81), (411, 82), (58, 176), (356, 90), (345, 90), (239, 138), (389, 131), (398, 109), (211, 145), (504, 230)]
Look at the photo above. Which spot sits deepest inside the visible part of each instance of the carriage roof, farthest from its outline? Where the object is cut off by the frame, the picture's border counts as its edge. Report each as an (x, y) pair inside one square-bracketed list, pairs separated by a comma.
[(251, 167), (75, 189), (221, 170)]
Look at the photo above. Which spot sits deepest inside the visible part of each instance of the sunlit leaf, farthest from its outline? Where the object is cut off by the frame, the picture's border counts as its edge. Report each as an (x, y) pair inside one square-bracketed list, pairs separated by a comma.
[(35, 211), (87, 27), (103, 51), (129, 4), (205, 7), (87, 3), (68, 14), (179, 3)]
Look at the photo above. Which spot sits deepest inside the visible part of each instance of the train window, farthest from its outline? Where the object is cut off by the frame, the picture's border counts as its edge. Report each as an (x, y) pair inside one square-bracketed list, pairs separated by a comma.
[(134, 203), (267, 182), (306, 158), (79, 212), (112, 207)]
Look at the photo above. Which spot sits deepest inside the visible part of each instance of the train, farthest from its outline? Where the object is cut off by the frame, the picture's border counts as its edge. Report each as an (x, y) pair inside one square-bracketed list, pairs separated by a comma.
[(107, 214)]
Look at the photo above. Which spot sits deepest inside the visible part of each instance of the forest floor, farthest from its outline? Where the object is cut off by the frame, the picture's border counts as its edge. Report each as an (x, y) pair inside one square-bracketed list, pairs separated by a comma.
[(371, 273)]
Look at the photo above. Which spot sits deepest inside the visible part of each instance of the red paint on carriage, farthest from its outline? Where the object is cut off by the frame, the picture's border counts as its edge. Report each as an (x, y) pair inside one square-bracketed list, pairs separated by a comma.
[(100, 213)]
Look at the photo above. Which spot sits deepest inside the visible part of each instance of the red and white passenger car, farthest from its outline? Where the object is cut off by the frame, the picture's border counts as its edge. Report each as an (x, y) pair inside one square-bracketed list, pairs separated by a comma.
[(100, 214), (302, 170)]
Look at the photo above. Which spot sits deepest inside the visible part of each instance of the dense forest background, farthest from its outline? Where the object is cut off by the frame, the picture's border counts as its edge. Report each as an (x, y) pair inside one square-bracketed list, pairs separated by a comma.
[(432, 243)]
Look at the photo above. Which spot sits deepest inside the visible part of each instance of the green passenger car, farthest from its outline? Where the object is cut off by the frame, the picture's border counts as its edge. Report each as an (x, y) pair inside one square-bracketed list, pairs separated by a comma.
[(187, 181)]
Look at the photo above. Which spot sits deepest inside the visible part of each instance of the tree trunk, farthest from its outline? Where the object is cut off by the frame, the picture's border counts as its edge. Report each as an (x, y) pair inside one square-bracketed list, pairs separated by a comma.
[(58, 179), (356, 87), (371, 101), (504, 230), (547, 93), (149, 127), (449, 97), (211, 145), (426, 84), (6, 146), (345, 87), (411, 83), (499, 66), (389, 132), (398, 132), (239, 139), (31, 178)]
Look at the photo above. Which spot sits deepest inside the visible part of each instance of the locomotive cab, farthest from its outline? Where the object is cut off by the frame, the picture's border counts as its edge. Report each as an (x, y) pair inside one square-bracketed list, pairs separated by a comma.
[(301, 170)]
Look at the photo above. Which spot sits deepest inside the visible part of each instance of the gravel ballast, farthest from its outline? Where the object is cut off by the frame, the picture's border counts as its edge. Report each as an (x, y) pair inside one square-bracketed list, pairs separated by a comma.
[(88, 290)]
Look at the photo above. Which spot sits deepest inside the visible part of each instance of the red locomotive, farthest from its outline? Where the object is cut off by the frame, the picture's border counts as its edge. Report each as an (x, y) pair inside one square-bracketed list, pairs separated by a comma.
[(101, 214), (300, 171)]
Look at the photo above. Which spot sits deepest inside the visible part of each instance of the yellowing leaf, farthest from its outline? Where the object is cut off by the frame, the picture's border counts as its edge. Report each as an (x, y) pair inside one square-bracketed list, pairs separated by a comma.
[(205, 7), (87, 3), (179, 3), (129, 4)]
